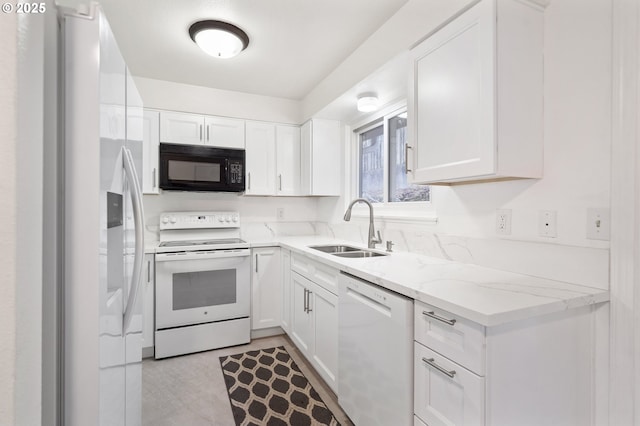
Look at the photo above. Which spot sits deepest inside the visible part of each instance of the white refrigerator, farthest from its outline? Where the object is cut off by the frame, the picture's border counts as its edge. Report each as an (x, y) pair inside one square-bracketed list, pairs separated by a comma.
[(103, 227)]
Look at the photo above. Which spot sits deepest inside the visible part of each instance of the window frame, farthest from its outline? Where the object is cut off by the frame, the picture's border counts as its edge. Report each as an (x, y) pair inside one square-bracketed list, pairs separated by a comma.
[(408, 211)]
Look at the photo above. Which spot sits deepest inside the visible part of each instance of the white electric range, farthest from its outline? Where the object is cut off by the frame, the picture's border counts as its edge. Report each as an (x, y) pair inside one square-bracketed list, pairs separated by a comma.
[(203, 283)]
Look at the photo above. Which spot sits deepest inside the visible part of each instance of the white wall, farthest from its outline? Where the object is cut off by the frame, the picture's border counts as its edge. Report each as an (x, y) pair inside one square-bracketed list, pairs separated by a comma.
[(183, 97), (21, 132), (205, 100), (577, 108), (577, 145), (29, 210), (8, 141), (409, 25)]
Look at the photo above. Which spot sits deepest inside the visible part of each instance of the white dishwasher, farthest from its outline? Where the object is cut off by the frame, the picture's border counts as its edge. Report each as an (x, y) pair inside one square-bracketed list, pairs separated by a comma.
[(375, 348)]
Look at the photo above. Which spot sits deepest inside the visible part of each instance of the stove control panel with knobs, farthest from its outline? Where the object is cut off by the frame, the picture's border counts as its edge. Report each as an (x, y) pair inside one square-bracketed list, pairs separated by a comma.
[(199, 220)]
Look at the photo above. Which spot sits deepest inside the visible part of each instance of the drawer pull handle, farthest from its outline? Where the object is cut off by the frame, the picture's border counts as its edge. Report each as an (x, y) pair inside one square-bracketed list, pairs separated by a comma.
[(432, 363), (433, 315)]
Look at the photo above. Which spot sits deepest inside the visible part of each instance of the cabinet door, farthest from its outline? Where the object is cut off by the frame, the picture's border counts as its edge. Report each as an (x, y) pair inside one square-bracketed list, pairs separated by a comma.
[(324, 307), (305, 158), (179, 127), (320, 157), (148, 311), (288, 160), (451, 99), (150, 137), (286, 290), (260, 158), (224, 132), (441, 400), (301, 318), (266, 288)]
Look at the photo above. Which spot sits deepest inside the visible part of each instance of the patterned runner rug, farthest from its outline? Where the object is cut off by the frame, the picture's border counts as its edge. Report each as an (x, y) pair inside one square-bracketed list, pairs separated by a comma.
[(266, 387)]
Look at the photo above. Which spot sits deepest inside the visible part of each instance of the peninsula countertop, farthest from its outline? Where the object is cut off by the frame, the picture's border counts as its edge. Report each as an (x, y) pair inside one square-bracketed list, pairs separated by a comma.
[(487, 296)]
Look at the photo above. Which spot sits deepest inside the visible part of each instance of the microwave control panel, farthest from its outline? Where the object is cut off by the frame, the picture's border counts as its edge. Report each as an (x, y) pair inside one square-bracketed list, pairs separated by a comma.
[(236, 173)]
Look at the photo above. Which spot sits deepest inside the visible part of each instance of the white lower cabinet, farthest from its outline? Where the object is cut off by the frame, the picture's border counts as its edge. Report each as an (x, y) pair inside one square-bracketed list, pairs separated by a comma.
[(444, 392), (266, 300), (286, 290), (148, 311), (301, 319), (314, 326), (534, 371), (324, 306)]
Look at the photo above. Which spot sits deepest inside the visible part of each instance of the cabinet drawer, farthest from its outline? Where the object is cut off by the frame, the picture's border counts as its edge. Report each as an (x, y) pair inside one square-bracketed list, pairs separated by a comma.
[(458, 339), (444, 392), (325, 276)]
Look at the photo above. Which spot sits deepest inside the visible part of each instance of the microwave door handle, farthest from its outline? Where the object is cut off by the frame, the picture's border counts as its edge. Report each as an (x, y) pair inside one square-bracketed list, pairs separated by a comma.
[(138, 216)]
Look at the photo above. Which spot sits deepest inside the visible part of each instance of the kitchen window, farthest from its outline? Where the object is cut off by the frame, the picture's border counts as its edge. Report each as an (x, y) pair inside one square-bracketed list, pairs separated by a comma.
[(381, 175)]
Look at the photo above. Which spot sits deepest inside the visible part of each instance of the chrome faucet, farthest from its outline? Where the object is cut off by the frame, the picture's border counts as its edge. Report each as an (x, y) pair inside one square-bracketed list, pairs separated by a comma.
[(372, 233)]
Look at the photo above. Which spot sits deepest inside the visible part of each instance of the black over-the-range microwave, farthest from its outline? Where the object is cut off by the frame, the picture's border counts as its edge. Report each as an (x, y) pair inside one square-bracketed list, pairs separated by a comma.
[(201, 168)]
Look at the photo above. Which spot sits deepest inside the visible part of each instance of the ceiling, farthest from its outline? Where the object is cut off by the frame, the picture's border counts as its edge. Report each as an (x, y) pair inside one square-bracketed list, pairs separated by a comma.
[(294, 44)]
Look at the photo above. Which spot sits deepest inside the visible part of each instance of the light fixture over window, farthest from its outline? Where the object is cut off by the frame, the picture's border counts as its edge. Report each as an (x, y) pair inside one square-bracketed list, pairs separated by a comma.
[(367, 102), (219, 39)]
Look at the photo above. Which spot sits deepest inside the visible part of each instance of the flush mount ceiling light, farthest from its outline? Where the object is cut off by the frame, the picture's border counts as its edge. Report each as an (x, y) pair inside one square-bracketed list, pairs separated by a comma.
[(367, 102), (219, 39)]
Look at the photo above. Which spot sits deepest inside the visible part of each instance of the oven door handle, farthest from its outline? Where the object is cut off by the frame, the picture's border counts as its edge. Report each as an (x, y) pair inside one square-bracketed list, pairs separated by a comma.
[(138, 217), (201, 255)]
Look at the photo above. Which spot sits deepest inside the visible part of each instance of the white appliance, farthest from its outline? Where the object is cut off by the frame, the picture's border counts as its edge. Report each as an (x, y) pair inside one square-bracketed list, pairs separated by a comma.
[(103, 227), (375, 354), (203, 283)]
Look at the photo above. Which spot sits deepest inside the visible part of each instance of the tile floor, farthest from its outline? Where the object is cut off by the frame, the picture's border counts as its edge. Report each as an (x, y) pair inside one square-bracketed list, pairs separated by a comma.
[(189, 390)]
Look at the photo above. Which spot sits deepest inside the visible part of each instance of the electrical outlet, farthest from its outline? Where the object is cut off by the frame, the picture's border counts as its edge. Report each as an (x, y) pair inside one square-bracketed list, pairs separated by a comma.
[(503, 222), (598, 224), (547, 223), (280, 213)]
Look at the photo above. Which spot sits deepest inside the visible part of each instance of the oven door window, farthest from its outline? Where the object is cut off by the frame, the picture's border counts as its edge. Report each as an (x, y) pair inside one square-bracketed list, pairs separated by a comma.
[(205, 288), (193, 171)]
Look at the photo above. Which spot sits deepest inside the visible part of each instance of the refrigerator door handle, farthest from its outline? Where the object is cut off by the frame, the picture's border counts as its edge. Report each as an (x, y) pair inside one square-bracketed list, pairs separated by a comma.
[(138, 216)]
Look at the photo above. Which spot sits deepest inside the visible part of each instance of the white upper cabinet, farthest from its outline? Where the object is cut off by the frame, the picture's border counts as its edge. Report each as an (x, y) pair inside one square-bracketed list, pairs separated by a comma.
[(320, 157), (287, 160), (272, 159), (146, 128), (150, 154), (224, 132), (260, 144), (476, 96), (180, 127)]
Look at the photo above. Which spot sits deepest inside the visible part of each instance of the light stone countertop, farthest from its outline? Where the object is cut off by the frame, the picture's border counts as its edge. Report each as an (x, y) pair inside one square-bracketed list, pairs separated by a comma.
[(487, 296)]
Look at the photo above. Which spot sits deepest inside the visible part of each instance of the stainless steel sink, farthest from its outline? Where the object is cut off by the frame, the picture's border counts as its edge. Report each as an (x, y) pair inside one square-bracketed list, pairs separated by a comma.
[(359, 254), (335, 248)]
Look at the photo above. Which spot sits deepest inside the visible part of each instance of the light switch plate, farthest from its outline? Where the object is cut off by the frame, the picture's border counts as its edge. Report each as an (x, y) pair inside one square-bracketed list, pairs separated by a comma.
[(598, 224)]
